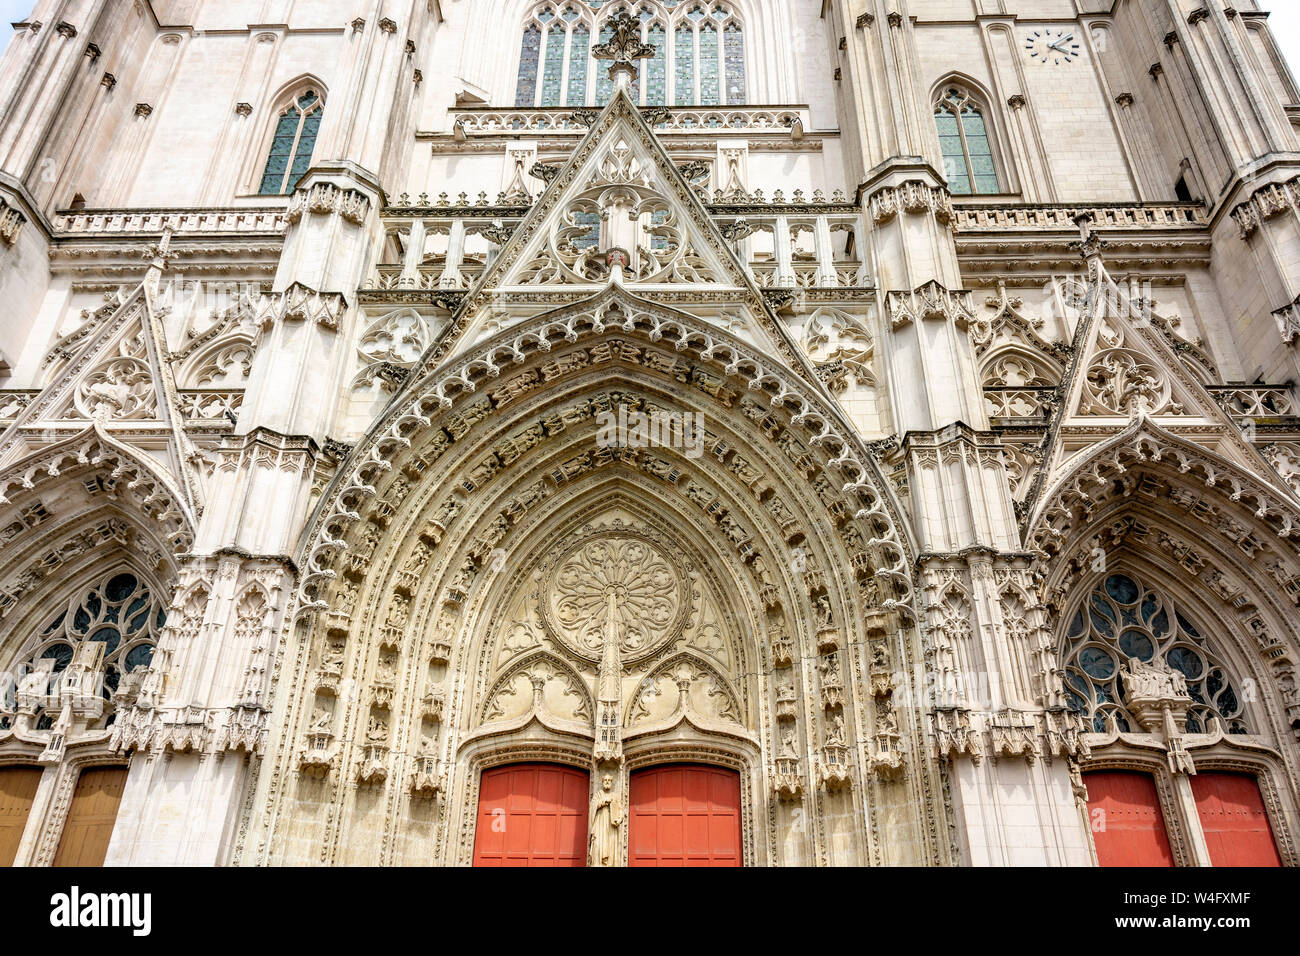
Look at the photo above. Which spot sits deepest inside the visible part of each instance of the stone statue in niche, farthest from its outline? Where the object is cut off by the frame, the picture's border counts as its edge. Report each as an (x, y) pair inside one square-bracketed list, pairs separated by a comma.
[(332, 658), (822, 612), (835, 728), (321, 719), (606, 819), (788, 747), (377, 731), (885, 716)]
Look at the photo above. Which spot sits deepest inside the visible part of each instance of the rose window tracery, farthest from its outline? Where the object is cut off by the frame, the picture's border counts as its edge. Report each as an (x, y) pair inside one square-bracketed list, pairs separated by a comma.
[(619, 585), (120, 612), (1123, 619)]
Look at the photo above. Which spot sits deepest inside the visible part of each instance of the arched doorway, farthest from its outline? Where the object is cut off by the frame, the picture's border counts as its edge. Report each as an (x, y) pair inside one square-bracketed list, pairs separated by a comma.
[(1128, 827), (684, 815), (91, 817), (532, 815), (1233, 819), (17, 792)]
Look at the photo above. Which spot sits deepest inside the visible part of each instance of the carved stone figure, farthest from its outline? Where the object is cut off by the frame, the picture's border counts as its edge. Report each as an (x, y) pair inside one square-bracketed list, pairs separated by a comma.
[(606, 822)]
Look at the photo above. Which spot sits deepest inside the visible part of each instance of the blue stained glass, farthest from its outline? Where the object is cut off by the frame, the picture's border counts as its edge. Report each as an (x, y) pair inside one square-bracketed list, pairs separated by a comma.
[(291, 151), (656, 69), (1186, 660), (591, 237), (529, 59), (1160, 624), (1077, 625), (1136, 644), (553, 71), (710, 91), (604, 85), (579, 53), (120, 586), (1227, 705), (734, 55), (61, 654), (138, 656), (1097, 663), (1122, 588), (109, 637), (684, 74)]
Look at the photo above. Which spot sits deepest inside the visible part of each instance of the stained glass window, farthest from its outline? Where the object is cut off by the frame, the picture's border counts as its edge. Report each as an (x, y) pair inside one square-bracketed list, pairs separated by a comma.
[(120, 612), (964, 144), (579, 53), (591, 237), (553, 71), (529, 58), (710, 93), (684, 74), (734, 57), (292, 145), (699, 54), (604, 85), (1123, 619), (656, 70)]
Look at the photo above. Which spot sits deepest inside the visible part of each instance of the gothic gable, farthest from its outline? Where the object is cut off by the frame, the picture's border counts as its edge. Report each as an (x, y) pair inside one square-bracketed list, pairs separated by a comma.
[(619, 211)]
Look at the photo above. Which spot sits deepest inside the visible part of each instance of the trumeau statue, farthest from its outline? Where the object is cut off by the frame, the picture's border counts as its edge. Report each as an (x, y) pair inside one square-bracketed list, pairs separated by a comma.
[(606, 825)]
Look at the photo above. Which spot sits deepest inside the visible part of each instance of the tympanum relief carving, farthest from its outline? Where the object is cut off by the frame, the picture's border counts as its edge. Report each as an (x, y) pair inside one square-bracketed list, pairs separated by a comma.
[(616, 632)]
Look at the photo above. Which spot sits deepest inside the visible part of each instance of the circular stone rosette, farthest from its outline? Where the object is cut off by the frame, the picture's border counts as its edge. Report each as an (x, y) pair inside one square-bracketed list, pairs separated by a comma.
[(621, 580)]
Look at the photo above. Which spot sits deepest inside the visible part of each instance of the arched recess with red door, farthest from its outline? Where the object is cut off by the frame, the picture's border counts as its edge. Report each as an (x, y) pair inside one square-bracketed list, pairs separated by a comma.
[(1126, 819), (532, 814), (1231, 810), (685, 815)]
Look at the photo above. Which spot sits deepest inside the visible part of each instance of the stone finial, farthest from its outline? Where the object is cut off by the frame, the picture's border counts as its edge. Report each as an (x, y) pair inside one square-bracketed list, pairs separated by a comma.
[(624, 47)]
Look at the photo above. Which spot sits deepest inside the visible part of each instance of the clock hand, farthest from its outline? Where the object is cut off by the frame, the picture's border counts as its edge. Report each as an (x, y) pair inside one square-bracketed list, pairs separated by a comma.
[(1056, 46)]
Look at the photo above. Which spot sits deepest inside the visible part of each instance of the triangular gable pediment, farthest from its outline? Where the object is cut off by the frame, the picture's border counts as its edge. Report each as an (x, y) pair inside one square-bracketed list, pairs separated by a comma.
[(119, 380), (1125, 369), (619, 211), (619, 191)]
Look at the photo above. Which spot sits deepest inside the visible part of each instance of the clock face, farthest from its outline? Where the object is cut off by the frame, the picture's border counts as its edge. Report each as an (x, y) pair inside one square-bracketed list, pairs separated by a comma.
[(1052, 46)]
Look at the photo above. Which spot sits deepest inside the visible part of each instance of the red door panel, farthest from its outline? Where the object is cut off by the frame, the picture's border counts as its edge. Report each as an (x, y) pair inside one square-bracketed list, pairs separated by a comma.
[(1127, 825), (532, 815), (1234, 820), (684, 815)]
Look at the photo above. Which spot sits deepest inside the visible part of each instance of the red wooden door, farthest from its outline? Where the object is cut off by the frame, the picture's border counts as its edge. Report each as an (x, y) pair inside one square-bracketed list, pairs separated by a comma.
[(684, 815), (532, 815), (1234, 820), (1127, 825)]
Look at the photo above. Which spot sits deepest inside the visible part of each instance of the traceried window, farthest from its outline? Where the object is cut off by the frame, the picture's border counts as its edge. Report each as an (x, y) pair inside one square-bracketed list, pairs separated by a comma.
[(120, 612), (699, 54), (291, 149), (964, 142), (1123, 618)]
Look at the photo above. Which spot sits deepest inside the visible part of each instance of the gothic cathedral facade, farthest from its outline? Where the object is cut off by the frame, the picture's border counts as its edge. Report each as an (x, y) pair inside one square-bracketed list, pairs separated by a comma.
[(635, 432)]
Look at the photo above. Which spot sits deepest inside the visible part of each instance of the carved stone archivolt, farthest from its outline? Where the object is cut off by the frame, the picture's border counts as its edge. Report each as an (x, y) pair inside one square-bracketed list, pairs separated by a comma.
[(539, 593)]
